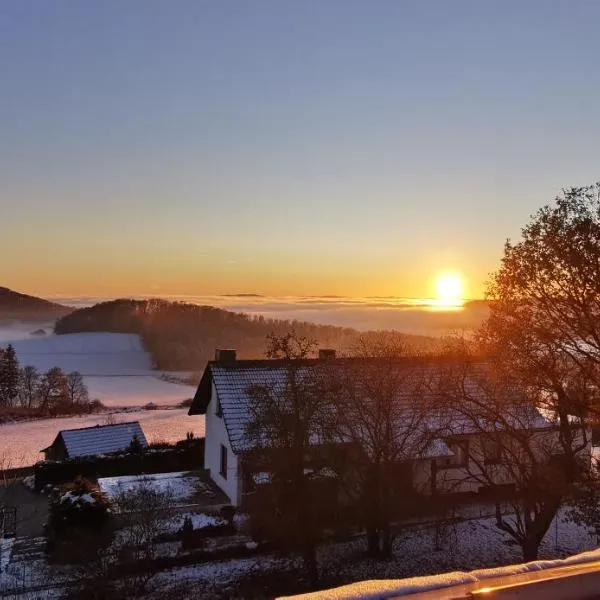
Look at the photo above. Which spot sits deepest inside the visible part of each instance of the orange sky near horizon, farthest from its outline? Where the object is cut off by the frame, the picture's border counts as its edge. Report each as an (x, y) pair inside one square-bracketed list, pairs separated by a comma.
[(128, 278)]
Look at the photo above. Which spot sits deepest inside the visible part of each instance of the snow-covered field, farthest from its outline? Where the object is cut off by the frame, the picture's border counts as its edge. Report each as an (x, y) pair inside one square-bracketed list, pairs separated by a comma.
[(117, 370)]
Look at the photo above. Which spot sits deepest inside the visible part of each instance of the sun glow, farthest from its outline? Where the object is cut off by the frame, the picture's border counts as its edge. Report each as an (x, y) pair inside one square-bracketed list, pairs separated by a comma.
[(449, 289)]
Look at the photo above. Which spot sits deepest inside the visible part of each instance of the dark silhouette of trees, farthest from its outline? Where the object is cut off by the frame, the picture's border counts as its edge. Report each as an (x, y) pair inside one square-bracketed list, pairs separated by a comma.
[(382, 414), (543, 339), (288, 428), (515, 450), (77, 392), (53, 390), (29, 381), (9, 376), (50, 393), (183, 336)]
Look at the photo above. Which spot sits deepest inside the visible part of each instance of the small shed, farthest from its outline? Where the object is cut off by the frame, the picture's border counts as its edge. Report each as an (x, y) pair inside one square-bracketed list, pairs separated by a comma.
[(92, 441)]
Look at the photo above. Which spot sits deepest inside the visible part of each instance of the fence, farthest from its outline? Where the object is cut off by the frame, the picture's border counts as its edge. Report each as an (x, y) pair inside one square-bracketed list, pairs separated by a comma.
[(8, 475), (8, 521)]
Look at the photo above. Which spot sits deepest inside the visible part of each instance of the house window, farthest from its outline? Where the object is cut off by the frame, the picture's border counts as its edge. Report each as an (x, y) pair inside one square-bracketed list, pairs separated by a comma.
[(218, 409), (461, 453), (492, 452), (223, 462), (460, 457)]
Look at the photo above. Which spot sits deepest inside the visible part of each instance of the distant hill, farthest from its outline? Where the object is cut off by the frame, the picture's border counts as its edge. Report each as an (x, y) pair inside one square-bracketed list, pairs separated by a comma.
[(184, 336), (14, 305)]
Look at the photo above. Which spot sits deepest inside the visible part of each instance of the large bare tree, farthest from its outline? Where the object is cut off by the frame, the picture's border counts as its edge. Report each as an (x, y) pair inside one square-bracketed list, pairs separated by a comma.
[(382, 416), (515, 442), (286, 431)]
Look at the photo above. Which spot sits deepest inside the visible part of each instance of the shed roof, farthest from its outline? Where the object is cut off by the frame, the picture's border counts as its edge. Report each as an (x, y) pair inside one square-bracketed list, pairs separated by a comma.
[(101, 439)]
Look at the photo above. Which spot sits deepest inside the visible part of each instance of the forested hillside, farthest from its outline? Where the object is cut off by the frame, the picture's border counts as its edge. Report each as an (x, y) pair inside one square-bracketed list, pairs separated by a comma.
[(184, 336), (14, 305)]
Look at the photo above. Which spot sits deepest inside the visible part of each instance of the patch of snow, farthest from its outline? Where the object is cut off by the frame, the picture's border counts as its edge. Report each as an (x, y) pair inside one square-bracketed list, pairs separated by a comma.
[(78, 499), (327, 473), (261, 478), (29, 482), (180, 485), (6, 546), (199, 521)]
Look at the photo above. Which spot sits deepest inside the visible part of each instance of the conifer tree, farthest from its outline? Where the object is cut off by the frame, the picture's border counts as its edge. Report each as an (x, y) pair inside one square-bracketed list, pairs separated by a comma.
[(9, 376)]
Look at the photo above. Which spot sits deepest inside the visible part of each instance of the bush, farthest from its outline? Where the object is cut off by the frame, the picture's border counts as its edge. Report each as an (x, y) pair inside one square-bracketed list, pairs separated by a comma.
[(79, 505)]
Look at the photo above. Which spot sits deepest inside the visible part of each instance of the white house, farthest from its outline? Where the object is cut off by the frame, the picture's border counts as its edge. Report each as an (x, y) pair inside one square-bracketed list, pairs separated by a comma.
[(223, 396)]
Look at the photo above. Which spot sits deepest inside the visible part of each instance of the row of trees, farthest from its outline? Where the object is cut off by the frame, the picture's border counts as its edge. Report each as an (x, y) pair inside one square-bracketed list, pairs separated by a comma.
[(47, 393), (183, 336), (526, 385)]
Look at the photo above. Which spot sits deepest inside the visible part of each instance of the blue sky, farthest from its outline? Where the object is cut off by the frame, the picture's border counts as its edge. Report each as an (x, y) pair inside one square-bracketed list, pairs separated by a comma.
[(285, 147)]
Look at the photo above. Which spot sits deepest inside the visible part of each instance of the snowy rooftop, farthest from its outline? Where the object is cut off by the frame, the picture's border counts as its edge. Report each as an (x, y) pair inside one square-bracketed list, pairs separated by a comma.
[(101, 439), (234, 382)]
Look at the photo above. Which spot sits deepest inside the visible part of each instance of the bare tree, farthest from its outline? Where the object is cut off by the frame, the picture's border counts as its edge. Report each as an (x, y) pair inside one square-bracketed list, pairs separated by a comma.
[(29, 381), (52, 390), (544, 326), (126, 567), (76, 390), (382, 414), (546, 290), (287, 426), (511, 445)]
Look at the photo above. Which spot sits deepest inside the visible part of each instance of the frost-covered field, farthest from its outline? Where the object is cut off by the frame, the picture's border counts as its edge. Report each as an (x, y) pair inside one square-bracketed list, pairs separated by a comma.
[(117, 370)]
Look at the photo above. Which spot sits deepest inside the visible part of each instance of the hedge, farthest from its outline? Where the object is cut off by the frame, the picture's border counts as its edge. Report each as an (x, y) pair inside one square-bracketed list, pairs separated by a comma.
[(187, 455)]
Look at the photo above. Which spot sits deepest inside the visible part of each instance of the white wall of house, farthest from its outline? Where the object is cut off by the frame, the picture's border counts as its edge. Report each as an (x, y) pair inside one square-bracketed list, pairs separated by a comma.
[(215, 437)]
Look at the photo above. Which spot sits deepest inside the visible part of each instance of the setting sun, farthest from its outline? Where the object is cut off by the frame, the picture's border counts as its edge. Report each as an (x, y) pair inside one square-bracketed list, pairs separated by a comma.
[(449, 289)]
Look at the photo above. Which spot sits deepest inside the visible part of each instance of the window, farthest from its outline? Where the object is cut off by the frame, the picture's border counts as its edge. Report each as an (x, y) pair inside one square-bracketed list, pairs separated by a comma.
[(461, 453), (223, 464), (460, 458), (218, 409), (492, 452)]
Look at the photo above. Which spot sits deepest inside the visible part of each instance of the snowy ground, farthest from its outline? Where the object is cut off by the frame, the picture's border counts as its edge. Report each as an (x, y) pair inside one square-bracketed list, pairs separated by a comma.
[(465, 546), (181, 486), (117, 371)]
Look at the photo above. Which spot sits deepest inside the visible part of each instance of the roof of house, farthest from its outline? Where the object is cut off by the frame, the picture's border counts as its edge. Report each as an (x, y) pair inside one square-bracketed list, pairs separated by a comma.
[(100, 439), (234, 381)]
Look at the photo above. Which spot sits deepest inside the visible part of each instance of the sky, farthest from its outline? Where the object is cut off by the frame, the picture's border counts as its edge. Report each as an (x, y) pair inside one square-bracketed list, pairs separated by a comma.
[(287, 148)]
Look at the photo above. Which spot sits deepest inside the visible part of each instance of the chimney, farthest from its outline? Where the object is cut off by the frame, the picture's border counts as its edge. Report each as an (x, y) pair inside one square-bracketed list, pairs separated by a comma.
[(225, 357), (326, 354)]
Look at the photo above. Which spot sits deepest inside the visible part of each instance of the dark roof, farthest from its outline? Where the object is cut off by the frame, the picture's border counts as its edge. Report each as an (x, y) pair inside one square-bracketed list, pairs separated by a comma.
[(234, 380), (100, 439)]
